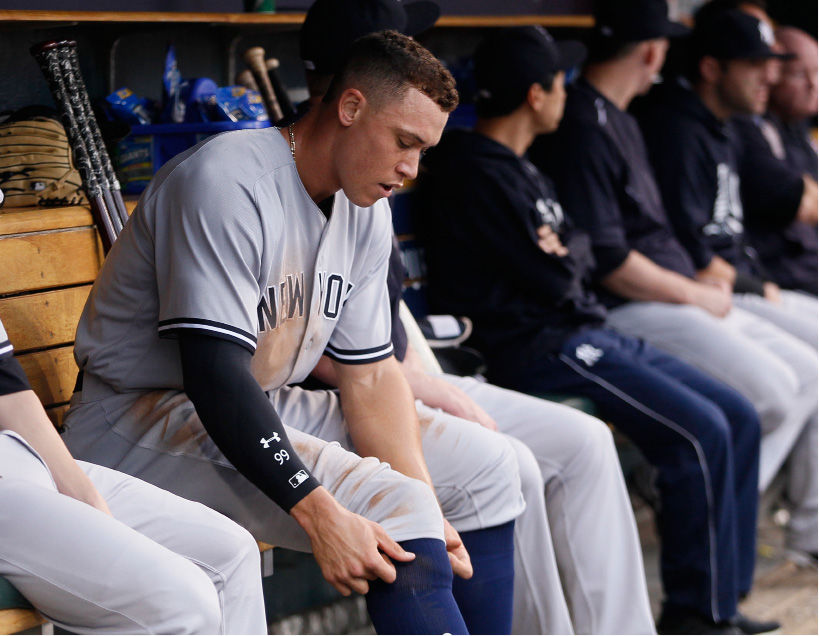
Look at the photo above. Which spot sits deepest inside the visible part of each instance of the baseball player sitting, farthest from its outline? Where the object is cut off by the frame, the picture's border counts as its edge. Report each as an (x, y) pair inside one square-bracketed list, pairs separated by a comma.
[(688, 135), (778, 169), (100, 552), (602, 171), (501, 251), (248, 257), (574, 453), (687, 127)]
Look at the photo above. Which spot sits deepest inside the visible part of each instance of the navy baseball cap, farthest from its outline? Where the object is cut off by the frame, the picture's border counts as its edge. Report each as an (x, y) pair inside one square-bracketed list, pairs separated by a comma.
[(734, 35), (627, 21), (510, 61), (331, 27)]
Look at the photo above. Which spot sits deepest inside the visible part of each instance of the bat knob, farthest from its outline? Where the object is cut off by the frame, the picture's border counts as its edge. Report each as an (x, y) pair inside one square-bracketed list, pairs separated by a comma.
[(49, 45)]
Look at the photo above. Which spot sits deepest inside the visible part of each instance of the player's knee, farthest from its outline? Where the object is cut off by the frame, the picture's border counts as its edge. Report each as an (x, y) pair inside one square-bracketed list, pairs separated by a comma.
[(490, 492), (418, 498), (500, 465), (531, 479), (714, 436), (242, 544), (190, 606)]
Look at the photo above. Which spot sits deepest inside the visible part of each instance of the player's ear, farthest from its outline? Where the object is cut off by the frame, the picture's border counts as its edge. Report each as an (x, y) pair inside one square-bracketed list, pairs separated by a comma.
[(535, 96), (349, 106), (709, 69)]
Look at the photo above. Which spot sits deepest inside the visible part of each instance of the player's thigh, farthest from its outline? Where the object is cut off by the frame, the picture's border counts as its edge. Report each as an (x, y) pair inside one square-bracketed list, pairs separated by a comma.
[(167, 446), (474, 470), (652, 407), (796, 313), (89, 572), (185, 527), (719, 347), (557, 434)]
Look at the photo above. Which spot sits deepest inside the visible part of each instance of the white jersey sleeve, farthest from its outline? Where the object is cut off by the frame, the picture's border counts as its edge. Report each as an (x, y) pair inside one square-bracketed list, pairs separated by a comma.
[(6, 349), (363, 331), (208, 255)]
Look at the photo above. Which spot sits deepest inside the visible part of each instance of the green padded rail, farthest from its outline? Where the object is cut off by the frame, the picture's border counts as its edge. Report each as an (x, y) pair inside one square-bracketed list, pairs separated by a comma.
[(10, 598)]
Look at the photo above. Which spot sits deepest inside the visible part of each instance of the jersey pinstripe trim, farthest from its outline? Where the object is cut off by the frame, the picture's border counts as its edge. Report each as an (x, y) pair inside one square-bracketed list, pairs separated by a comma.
[(6, 348), (211, 327), (359, 356)]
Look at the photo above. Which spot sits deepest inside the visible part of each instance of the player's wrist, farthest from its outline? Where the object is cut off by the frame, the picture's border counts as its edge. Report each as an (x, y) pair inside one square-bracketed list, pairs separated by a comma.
[(317, 505)]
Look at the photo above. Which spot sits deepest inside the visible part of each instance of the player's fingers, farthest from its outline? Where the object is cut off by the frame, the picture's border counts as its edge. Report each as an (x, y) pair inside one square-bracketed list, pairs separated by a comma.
[(487, 422), (359, 585), (461, 564), (390, 547)]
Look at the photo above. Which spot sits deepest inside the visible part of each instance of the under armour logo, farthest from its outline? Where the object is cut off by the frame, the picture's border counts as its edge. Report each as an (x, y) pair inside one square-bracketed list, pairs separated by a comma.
[(266, 442), (588, 354)]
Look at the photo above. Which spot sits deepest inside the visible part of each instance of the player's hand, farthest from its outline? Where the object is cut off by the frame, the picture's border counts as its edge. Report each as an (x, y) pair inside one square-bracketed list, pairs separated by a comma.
[(772, 292), (350, 550), (458, 556), (549, 241), (81, 488), (714, 296), (454, 401)]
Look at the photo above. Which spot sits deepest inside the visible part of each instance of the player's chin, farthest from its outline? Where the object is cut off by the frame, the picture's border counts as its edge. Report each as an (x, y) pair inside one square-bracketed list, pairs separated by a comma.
[(366, 197)]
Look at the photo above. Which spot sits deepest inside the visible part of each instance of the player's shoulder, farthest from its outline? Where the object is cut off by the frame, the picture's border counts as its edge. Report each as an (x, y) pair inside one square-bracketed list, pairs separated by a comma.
[(228, 162)]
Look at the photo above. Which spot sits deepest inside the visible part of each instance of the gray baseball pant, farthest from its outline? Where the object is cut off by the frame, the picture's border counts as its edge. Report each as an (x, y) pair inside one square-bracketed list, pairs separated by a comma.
[(158, 437), (775, 370), (160, 565), (796, 314), (586, 517)]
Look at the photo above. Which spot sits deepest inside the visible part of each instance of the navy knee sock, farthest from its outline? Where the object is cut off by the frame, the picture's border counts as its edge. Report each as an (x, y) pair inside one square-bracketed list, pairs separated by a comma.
[(420, 600), (486, 599)]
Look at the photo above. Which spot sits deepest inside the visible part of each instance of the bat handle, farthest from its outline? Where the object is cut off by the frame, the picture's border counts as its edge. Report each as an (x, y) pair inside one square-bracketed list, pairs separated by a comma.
[(254, 58)]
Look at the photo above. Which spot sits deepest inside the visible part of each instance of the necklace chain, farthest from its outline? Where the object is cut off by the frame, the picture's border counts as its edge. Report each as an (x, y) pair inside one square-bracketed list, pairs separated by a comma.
[(292, 141)]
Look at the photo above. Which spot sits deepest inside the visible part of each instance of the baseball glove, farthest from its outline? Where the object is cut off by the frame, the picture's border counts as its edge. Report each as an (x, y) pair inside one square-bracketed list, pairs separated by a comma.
[(36, 166)]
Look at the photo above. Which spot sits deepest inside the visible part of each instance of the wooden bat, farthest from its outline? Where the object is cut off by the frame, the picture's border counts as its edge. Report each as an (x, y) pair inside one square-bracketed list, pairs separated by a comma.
[(46, 54), (245, 78), (272, 65), (254, 58)]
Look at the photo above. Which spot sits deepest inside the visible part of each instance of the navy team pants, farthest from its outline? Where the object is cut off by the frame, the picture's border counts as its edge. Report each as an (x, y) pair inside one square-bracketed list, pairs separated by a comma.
[(703, 439)]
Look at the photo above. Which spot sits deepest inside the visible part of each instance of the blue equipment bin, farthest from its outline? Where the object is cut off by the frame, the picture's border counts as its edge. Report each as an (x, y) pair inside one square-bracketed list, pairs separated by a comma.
[(148, 147)]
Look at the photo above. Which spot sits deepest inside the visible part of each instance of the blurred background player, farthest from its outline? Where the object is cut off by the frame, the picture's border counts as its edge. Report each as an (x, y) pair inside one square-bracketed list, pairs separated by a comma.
[(501, 251), (778, 168), (687, 127), (602, 171), (130, 558)]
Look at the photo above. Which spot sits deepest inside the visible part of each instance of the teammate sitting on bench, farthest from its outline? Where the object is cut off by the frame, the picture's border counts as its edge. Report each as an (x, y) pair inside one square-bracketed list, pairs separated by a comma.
[(100, 552)]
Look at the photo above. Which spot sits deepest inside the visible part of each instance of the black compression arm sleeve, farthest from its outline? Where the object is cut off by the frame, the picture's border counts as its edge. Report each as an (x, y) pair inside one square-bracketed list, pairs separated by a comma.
[(240, 419)]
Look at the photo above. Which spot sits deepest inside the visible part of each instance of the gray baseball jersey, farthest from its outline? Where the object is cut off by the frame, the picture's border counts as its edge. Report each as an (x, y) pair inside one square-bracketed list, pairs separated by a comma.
[(226, 241)]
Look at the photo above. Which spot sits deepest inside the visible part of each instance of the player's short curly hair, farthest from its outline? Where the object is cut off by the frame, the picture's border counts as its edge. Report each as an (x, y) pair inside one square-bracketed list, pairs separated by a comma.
[(384, 65)]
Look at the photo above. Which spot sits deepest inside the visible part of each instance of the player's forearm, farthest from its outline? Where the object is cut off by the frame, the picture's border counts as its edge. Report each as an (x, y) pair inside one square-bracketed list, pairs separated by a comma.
[(380, 412), (22, 413), (639, 278)]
